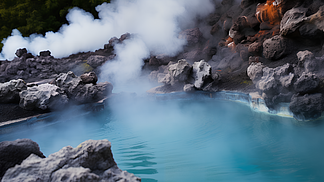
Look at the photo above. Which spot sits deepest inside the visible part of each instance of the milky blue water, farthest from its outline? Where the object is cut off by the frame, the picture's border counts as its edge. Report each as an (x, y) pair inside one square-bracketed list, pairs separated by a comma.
[(196, 139)]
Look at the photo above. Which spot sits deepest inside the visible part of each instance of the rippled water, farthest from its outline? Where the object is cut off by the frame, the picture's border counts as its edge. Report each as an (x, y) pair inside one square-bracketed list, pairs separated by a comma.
[(197, 139)]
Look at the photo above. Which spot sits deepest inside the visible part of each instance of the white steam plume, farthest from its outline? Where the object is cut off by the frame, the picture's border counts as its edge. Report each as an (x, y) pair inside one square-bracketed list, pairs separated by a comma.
[(156, 24)]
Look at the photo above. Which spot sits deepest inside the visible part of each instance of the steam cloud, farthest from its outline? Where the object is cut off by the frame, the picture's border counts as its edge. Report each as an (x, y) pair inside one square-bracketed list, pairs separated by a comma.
[(156, 25)]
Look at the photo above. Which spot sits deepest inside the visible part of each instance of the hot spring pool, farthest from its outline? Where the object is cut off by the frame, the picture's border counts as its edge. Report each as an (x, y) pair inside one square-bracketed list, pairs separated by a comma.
[(196, 139)]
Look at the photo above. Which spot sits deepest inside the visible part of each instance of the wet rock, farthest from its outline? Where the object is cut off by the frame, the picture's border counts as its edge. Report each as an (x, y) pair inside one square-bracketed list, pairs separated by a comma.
[(89, 78), (9, 91), (307, 82), (90, 161), (276, 47), (21, 52), (14, 152), (201, 72), (45, 96), (306, 107)]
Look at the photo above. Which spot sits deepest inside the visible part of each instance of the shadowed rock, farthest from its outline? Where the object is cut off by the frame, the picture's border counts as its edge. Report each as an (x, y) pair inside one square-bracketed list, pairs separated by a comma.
[(9, 91), (306, 107), (14, 152)]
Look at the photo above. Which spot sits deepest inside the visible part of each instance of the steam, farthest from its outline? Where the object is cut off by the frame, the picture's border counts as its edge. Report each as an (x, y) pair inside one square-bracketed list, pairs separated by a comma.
[(156, 22)]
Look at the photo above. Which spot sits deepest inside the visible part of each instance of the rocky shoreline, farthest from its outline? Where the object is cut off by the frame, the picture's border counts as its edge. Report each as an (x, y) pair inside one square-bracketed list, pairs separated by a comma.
[(273, 49)]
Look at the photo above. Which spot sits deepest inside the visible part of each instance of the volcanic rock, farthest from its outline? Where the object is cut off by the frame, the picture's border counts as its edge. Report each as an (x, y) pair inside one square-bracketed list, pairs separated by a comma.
[(276, 47), (292, 20), (255, 71), (89, 78), (306, 107), (192, 36), (90, 161), (45, 96), (21, 52), (178, 73), (14, 152), (201, 72), (45, 53), (9, 91), (82, 89), (307, 82), (96, 60)]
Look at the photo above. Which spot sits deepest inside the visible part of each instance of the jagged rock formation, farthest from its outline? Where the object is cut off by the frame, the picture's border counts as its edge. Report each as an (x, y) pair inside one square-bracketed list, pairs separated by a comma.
[(182, 76), (90, 161), (44, 96)]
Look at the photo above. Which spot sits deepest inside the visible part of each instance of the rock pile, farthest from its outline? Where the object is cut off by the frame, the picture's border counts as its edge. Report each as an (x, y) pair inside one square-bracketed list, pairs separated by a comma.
[(90, 161)]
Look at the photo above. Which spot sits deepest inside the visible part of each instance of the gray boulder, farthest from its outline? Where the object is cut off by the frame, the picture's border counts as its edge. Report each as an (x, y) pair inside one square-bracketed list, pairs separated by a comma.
[(202, 73), (276, 47), (255, 71), (9, 91), (14, 152), (306, 107), (189, 88), (178, 73), (45, 96), (45, 53), (82, 89), (90, 161), (292, 20)]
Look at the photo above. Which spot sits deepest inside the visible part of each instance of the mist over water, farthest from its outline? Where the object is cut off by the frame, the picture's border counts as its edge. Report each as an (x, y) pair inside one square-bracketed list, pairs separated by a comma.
[(196, 139)]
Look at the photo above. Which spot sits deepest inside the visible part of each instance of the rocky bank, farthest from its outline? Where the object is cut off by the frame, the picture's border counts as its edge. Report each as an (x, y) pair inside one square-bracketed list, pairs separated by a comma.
[(21, 160)]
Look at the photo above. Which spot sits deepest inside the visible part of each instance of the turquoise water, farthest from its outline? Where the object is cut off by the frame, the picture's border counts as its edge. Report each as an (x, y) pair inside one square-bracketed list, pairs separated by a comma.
[(197, 139)]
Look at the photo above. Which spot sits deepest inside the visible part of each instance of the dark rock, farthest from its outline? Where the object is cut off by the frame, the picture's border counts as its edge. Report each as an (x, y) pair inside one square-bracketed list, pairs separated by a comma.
[(307, 82), (44, 96), (14, 152), (90, 161), (9, 91), (89, 78), (45, 53), (21, 52), (306, 107), (96, 60), (255, 48), (192, 36), (276, 47)]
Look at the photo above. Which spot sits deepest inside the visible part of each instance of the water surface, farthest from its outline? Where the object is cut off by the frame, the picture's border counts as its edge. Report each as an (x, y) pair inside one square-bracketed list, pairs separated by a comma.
[(196, 139)]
